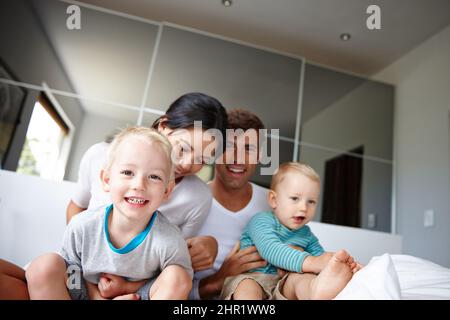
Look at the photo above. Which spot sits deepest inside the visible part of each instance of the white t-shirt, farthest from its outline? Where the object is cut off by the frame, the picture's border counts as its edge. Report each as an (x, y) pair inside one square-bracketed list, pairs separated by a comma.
[(187, 207), (227, 227)]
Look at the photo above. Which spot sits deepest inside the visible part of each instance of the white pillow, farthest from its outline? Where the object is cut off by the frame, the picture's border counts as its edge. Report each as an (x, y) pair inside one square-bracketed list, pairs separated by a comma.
[(376, 281), (421, 279)]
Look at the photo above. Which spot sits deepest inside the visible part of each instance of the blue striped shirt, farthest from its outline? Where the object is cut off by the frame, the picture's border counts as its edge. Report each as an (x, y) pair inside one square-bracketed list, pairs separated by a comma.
[(272, 239)]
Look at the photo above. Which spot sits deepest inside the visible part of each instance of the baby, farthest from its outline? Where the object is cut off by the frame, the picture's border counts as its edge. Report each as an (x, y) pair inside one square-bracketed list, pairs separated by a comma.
[(285, 242), (128, 238)]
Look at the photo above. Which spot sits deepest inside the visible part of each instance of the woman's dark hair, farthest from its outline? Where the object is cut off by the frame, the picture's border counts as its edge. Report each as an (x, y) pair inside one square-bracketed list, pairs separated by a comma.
[(192, 107)]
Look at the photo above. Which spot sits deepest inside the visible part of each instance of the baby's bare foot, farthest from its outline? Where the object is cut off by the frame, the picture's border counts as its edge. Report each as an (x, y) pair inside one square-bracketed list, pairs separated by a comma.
[(357, 267), (351, 263), (333, 278)]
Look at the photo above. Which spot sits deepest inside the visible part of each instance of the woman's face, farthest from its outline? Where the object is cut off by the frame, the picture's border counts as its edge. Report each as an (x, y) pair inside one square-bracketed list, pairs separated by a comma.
[(192, 148)]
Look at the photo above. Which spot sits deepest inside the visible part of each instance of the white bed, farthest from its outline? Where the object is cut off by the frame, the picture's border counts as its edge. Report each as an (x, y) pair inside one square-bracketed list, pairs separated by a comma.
[(36, 226), (404, 277)]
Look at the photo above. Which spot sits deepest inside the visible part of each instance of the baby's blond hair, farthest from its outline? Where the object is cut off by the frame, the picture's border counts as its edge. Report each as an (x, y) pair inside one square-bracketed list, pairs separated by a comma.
[(284, 169), (151, 135)]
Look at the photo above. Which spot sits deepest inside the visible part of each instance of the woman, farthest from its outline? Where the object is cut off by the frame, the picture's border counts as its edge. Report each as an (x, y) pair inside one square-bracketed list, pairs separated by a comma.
[(191, 198)]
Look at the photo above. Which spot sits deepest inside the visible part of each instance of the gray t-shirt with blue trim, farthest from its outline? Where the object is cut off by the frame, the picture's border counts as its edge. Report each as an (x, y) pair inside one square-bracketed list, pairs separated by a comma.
[(86, 244)]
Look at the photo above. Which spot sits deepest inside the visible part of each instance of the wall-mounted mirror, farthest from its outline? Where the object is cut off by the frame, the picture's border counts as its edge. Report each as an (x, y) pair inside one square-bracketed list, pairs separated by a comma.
[(239, 76), (108, 58), (101, 78), (97, 74), (347, 136)]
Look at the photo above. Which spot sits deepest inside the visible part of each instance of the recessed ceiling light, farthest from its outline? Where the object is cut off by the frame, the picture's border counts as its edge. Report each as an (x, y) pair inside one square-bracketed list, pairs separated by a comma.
[(227, 3), (345, 36)]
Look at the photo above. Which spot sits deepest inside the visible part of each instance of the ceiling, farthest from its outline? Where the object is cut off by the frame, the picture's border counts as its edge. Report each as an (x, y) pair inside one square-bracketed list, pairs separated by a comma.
[(101, 63), (309, 28)]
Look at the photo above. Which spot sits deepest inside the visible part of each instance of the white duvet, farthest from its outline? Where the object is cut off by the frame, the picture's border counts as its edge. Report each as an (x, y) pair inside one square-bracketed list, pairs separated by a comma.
[(398, 277)]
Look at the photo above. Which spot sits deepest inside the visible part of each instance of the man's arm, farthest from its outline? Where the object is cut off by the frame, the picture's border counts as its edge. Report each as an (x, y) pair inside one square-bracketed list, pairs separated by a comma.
[(72, 210), (237, 262)]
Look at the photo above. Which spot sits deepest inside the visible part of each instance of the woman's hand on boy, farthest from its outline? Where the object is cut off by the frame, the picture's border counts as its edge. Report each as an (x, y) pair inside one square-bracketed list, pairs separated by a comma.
[(203, 252), (94, 294), (111, 286)]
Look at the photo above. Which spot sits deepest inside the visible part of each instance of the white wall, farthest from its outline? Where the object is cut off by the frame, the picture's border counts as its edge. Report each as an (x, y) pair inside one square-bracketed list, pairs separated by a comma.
[(422, 104), (32, 215), (361, 244)]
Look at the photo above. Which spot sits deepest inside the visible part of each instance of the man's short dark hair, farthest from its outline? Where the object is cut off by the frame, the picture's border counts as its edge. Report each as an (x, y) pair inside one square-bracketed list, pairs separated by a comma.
[(243, 119)]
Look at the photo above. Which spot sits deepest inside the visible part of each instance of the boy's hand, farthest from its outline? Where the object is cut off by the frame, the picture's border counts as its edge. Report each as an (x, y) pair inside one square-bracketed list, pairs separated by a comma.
[(203, 251)]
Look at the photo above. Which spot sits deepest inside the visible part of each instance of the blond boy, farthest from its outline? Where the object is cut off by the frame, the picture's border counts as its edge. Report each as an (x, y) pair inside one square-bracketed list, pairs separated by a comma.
[(128, 238), (283, 239)]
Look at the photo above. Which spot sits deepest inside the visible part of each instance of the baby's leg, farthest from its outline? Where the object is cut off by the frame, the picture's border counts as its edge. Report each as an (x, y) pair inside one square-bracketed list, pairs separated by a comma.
[(333, 278), (297, 286), (46, 277), (248, 289), (174, 283)]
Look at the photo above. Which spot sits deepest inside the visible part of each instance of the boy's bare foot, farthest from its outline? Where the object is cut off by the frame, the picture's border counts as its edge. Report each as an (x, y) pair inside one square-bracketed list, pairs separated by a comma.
[(333, 278)]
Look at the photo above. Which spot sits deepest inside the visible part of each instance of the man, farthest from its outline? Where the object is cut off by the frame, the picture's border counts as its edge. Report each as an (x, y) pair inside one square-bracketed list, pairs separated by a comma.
[(235, 202)]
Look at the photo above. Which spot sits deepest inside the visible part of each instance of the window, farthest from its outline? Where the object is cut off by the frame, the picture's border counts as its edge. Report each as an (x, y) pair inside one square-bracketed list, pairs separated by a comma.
[(44, 142)]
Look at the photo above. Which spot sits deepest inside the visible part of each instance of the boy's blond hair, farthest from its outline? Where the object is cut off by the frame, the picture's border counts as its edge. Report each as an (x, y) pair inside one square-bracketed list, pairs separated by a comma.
[(151, 135), (284, 168)]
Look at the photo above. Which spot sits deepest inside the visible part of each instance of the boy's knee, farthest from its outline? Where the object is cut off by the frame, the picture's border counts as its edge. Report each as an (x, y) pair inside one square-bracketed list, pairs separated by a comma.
[(180, 279), (45, 267)]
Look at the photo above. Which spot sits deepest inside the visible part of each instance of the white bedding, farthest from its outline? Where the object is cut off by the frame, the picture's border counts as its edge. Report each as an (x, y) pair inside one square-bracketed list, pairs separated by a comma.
[(398, 277)]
